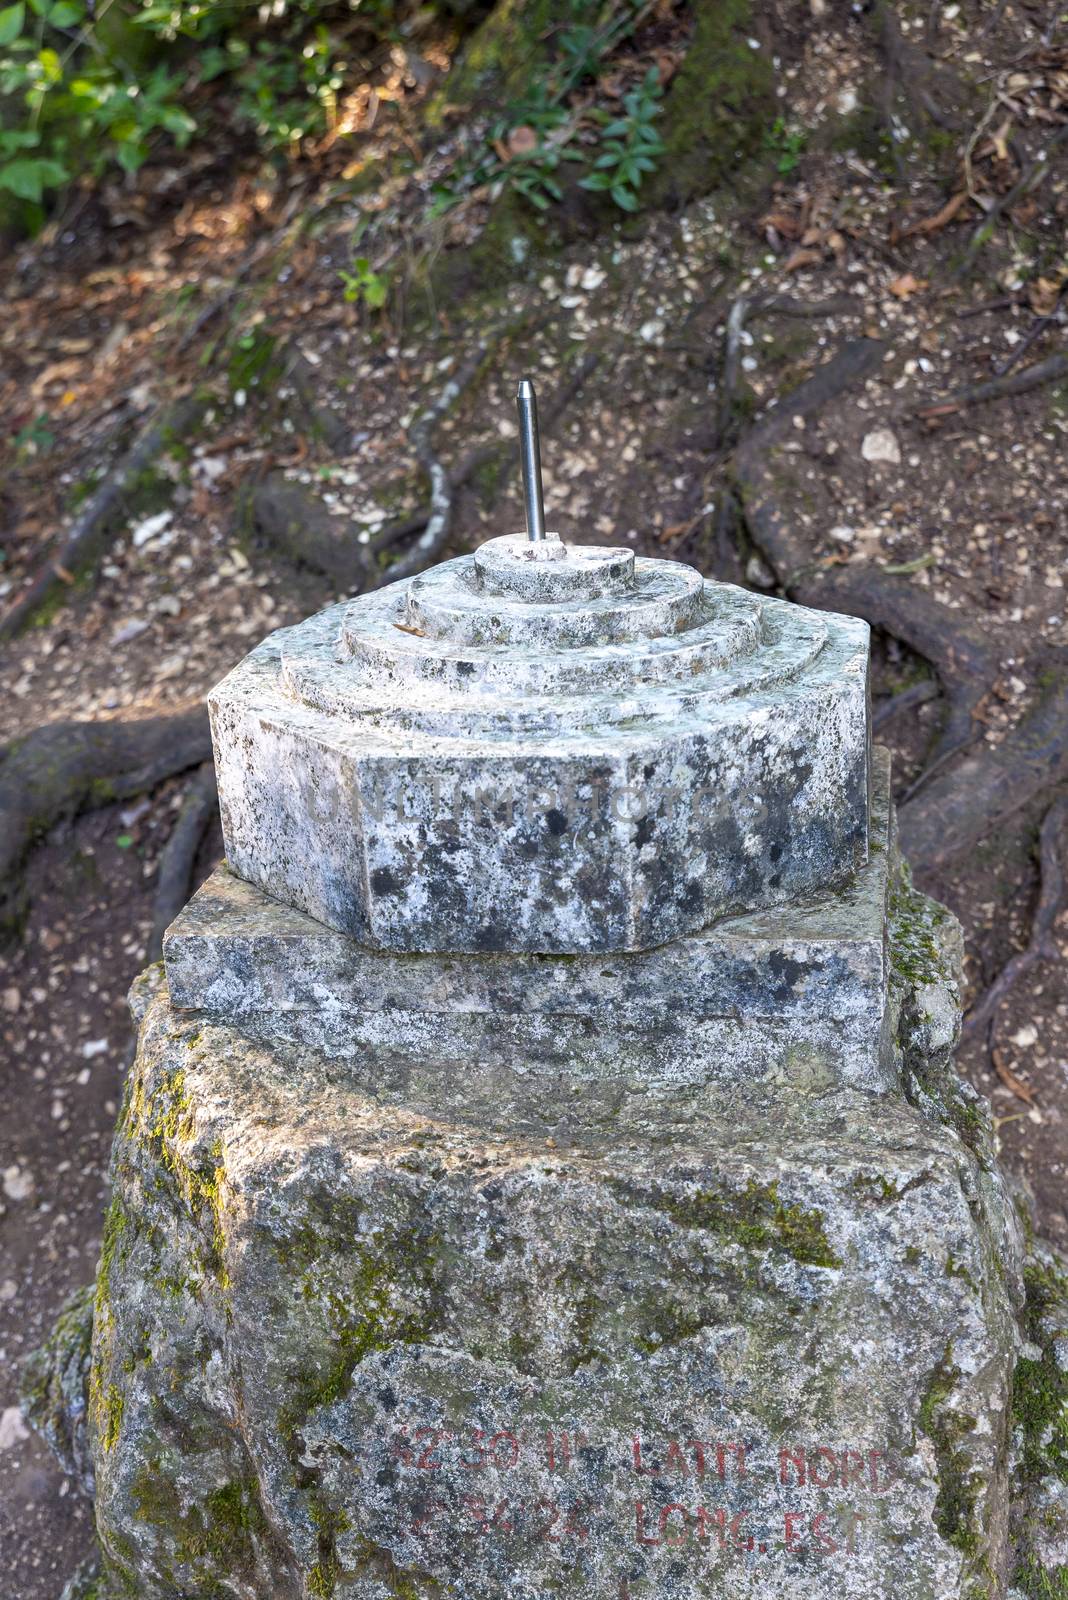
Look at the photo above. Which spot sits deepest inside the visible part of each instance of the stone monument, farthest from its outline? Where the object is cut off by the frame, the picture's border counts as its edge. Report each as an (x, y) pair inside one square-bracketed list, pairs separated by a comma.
[(543, 1172)]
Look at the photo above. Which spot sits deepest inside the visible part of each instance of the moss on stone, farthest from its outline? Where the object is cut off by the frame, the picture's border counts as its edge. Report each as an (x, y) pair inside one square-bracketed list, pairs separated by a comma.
[(957, 1501), (916, 955), (755, 1217), (1037, 1582), (215, 1535), (1040, 1387), (718, 109)]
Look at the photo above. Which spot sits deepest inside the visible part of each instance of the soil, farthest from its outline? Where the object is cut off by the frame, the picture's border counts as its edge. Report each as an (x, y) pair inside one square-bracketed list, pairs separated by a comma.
[(137, 299)]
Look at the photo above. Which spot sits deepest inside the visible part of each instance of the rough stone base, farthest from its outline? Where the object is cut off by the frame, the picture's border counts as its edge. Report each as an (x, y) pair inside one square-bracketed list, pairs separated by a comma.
[(730, 1343), (344, 1348)]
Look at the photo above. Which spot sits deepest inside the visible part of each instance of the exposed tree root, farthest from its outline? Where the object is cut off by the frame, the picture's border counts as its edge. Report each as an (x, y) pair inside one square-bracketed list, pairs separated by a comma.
[(1047, 371), (179, 855), (962, 654), (325, 423), (68, 767), (1041, 946), (917, 694), (988, 786), (300, 527), (101, 516), (1030, 179)]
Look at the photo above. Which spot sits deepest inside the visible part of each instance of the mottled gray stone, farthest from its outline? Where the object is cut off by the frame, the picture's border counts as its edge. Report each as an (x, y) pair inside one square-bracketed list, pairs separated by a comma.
[(794, 992), (567, 752), (346, 1347)]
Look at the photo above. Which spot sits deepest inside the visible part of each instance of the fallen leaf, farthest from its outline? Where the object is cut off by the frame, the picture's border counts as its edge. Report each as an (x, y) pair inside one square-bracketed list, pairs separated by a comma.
[(907, 285), (522, 140), (802, 258), (931, 224), (1022, 1091)]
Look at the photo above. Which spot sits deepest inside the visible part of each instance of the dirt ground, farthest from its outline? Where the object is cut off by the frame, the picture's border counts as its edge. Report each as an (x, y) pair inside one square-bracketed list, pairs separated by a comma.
[(139, 298)]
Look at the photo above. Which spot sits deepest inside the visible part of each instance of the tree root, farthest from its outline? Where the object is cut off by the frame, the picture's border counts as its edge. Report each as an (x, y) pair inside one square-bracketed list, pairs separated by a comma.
[(1030, 179), (1047, 371), (300, 527), (1041, 945), (988, 786), (101, 516), (175, 873), (962, 655), (68, 767)]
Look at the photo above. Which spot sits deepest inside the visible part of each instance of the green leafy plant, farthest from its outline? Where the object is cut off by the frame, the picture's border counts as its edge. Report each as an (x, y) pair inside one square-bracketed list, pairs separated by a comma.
[(364, 286), (523, 149), (788, 144), (88, 85), (630, 145)]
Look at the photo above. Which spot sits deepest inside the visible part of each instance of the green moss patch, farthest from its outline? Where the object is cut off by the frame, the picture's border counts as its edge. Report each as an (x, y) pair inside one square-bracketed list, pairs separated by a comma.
[(956, 1512), (755, 1217)]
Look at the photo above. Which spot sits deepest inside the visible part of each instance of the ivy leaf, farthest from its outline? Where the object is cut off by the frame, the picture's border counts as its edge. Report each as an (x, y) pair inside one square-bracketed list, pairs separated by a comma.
[(11, 20), (28, 178), (65, 14)]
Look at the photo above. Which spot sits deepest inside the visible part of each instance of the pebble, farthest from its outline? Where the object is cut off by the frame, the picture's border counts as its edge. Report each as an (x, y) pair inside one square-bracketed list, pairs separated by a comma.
[(12, 999), (12, 1428), (881, 445), (18, 1183)]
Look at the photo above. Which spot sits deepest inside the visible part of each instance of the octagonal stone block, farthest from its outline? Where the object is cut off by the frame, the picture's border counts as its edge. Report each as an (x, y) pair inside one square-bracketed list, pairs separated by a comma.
[(559, 751)]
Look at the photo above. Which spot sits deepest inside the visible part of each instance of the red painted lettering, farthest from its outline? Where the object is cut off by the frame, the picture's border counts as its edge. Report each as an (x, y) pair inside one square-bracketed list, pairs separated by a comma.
[(678, 1535), (636, 1452), (675, 1461), (744, 1541), (552, 1511), (718, 1517), (823, 1468), (639, 1519), (433, 1436), (792, 1459), (825, 1545), (790, 1531)]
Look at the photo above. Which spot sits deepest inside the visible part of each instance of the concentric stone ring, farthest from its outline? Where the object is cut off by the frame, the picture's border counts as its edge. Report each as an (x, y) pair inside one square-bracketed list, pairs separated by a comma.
[(548, 733)]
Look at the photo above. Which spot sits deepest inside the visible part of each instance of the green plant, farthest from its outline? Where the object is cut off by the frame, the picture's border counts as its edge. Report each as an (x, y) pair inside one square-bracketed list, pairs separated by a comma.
[(787, 143), (91, 83), (362, 284), (631, 145), (35, 438), (524, 147)]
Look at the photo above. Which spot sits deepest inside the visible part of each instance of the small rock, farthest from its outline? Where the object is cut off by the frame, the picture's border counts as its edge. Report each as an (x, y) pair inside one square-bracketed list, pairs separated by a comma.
[(129, 630), (94, 1047), (880, 445), (759, 574), (151, 528), (843, 533), (18, 1183), (8, 1289), (1025, 1037), (12, 1428), (12, 999)]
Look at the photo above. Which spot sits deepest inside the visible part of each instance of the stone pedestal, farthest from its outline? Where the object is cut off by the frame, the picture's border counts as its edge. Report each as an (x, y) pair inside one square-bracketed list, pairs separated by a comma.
[(712, 1340), (542, 1173)]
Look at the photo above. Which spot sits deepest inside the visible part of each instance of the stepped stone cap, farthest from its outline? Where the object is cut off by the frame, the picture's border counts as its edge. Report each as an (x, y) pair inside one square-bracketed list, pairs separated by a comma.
[(546, 747)]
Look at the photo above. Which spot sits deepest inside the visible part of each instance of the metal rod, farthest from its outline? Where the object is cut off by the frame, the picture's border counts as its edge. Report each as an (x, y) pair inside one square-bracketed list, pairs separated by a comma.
[(530, 459)]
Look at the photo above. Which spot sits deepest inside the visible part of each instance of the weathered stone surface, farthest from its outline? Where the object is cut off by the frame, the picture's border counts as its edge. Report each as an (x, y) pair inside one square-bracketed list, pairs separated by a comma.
[(795, 993), (346, 1347), (577, 751)]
